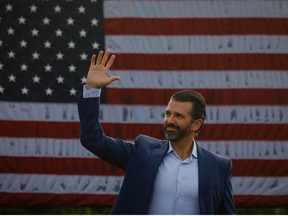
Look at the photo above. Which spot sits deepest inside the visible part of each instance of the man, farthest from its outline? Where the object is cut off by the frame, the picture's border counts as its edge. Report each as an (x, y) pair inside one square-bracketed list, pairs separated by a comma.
[(175, 176)]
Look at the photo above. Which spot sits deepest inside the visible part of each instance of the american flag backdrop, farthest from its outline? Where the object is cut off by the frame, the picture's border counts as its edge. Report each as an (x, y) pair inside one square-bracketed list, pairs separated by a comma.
[(234, 52)]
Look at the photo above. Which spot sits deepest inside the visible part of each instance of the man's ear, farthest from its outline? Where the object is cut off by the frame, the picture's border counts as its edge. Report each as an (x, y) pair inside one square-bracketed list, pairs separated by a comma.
[(197, 124)]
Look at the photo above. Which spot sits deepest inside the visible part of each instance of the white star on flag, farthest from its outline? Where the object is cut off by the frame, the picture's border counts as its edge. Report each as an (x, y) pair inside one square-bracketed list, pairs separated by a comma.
[(24, 67), (83, 80), (59, 56), (11, 54), (94, 22), (9, 7), (23, 43), (36, 79), (33, 8), (12, 78), (72, 91), (58, 32), (47, 44), (60, 79), (10, 31), (95, 45), (83, 56), (81, 9), (57, 9), (70, 21), (24, 90), (48, 91), (35, 55), (48, 68), (71, 45), (82, 33), (72, 68), (22, 20), (46, 21), (34, 32)]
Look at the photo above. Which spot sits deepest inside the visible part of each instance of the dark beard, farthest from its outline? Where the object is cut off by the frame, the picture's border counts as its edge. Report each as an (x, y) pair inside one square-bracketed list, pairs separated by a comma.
[(177, 135)]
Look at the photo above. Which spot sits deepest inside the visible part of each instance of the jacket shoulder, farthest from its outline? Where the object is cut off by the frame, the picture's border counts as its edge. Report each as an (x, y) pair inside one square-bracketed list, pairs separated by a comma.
[(149, 139), (213, 157), (150, 143)]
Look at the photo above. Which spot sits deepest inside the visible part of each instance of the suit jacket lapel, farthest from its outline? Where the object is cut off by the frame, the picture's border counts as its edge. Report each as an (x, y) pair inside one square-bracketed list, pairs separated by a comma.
[(157, 157), (155, 160)]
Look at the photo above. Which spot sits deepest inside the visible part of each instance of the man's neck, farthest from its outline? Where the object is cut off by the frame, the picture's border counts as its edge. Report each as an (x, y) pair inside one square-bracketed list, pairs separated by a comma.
[(183, 148)]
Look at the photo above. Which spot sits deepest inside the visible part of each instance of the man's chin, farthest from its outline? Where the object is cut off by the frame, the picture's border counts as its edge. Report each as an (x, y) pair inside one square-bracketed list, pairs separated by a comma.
[(170, 136)]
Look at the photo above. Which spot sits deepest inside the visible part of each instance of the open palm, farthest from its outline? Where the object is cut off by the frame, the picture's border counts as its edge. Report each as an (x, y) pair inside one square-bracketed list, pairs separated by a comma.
[(98, 71)]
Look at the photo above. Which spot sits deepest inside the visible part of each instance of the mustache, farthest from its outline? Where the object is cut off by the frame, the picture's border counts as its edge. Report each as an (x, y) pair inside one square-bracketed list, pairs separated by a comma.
[(171, 125)]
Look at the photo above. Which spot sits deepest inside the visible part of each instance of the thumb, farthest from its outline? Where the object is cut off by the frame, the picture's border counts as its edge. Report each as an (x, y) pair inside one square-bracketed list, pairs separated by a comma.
[(113, 78)]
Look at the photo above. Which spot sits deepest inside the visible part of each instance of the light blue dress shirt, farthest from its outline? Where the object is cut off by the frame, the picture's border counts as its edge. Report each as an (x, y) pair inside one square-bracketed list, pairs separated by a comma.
[(93, 92), (176, 185)]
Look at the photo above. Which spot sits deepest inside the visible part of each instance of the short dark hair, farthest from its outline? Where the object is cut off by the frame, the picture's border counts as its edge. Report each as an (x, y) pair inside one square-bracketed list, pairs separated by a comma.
[(199, 105)]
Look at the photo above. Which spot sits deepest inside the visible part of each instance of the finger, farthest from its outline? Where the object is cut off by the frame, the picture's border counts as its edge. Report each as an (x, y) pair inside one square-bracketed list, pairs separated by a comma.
[(110, 62), (99, 57), (105, 57), (113, 78), (93, 60)]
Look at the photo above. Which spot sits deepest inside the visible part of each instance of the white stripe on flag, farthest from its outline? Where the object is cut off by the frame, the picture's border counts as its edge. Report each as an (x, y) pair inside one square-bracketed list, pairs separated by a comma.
[(141, 114), (63, 148), (200, 79), (260, 186), (59, 184), (195, 8), (43, 147), (197, 44)]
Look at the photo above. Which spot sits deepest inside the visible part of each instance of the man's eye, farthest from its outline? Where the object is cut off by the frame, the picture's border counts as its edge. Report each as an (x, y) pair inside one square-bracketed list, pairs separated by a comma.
[(166, 114)]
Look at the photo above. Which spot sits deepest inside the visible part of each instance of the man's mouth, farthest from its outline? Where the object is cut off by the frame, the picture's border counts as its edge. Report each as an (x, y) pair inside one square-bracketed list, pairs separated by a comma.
[(171, 128)]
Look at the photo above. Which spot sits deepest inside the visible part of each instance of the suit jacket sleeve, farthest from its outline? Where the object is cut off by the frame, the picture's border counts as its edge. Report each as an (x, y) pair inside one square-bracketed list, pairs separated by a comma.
[(92, 137), (227, 205)]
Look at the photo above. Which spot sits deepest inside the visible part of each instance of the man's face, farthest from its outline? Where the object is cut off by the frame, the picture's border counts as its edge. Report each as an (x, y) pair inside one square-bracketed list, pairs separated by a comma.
[(178, 121)]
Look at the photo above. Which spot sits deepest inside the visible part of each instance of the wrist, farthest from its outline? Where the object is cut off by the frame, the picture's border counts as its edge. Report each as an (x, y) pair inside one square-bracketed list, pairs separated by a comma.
[(88, 86)]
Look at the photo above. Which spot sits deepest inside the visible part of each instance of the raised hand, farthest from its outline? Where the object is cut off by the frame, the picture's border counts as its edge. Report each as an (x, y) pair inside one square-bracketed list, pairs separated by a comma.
[(98, 71)]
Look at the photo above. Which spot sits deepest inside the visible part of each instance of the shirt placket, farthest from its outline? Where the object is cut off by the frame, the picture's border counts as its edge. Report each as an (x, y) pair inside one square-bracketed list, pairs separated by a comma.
[(179, 187)]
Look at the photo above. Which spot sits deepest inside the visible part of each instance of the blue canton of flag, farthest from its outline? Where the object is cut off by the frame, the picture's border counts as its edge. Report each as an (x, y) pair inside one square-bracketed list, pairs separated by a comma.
[(45, 47)]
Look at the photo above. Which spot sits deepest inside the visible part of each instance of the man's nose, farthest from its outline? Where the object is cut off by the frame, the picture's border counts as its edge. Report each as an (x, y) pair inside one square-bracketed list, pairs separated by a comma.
[(170, 119)]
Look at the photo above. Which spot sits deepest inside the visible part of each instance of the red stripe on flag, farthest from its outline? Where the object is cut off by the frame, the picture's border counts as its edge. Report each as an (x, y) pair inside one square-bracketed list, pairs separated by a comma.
[(67, 130), (49, 199), (258, 200), (58, 166), (38, 129), (212, 96), (209, 132), (196, 26), (260, 61), (259, 168), (89, 166)]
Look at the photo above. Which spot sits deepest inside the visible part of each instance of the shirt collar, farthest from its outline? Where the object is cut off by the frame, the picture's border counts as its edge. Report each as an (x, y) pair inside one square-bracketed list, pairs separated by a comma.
[(194, 150)]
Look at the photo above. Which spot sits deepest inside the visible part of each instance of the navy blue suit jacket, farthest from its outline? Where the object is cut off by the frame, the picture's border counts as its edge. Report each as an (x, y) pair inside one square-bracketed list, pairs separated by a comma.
[(141, 161)]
